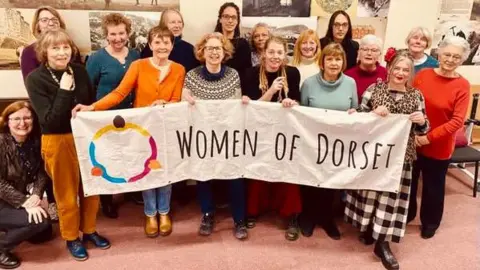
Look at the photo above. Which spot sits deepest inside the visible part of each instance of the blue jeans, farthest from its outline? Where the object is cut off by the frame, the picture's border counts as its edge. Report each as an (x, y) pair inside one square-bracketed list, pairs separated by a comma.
[(237, 198), (157, 200)]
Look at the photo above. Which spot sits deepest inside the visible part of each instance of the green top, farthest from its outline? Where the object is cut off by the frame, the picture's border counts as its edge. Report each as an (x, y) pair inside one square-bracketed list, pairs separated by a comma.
[(339, 95)]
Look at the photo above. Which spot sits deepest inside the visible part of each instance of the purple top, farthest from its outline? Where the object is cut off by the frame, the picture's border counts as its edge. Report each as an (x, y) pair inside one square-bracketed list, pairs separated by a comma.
[(29, 61), (364, 78)]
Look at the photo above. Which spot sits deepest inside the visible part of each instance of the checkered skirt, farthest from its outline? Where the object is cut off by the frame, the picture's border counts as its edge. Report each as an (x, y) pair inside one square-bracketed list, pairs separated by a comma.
[(386, 212)]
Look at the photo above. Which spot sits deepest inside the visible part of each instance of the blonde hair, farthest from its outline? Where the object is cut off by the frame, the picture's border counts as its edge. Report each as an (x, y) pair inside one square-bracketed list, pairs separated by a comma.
[(333, 49), (254, 29), (420, 30), (53, 37), (263, 85), (35, 29), (227, 46), (297, 51), (114, 19), (163, 17), (400, 56)]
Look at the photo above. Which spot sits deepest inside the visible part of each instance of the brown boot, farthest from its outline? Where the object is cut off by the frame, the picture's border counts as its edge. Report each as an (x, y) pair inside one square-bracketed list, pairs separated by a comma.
[(151, 226), (165, 225)]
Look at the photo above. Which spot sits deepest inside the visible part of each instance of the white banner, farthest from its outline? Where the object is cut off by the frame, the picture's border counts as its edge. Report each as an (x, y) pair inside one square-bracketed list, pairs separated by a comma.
[(137, 149)]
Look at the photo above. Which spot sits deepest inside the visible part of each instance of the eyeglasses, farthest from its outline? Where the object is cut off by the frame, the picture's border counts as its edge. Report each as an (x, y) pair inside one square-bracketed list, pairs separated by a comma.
[(213, 48), (455, 57), (370, 50), (228, 17), (17, 120), (53, 20), (342, 25)]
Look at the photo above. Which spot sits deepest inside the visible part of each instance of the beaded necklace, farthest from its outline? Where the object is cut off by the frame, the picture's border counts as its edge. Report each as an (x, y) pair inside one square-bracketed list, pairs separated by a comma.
[(69, 70)]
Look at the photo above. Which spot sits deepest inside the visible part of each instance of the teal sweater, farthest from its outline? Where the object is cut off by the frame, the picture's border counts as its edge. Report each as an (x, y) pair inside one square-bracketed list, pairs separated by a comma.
[(107, 72), (429, 63), (339, 95)]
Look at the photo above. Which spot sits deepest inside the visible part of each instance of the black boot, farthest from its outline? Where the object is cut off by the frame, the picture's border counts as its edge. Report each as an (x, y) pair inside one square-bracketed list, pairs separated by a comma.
[(293, 230), (206, 225), (108, 208), (240, 231), (366, 237), (8, 260), (382, 250), (307, 225), (331, 229), (251, 222)]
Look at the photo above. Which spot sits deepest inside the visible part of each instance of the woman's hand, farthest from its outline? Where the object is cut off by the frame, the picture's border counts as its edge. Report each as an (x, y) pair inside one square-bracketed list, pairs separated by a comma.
[(417, 118), (66, 82), (245, 100), (32, 201), (352, 110), (277, 85), (159, 102), (381, 110), (81, 108), (287, 103), (421, 140), (190, 99), (36, 214)]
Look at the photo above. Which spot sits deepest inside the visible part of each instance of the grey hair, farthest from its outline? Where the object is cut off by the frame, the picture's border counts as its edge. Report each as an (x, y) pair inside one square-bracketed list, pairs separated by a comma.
[(458, 42), (423, 31), (371, 40)]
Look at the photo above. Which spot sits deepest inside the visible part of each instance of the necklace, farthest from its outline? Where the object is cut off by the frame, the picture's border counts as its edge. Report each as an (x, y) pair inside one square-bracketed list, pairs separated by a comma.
[(69, 70)]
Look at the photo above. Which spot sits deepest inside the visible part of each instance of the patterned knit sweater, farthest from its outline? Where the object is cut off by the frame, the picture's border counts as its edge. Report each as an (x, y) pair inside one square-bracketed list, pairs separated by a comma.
[(203, 85)]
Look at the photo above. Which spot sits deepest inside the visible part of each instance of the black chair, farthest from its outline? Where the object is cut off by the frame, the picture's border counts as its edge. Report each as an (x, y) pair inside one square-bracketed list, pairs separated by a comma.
[(468, 154)]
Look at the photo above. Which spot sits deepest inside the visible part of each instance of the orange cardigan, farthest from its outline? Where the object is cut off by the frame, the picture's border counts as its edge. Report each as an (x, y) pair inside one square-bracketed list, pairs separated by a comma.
[(143, 77)]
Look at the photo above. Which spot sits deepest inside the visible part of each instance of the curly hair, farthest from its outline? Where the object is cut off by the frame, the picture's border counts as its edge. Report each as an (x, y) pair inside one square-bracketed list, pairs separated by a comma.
[(114, 19), (227, 46)]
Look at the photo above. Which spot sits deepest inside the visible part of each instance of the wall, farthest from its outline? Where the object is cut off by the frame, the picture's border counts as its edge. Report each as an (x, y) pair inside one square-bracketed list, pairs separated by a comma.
[(201, 18)]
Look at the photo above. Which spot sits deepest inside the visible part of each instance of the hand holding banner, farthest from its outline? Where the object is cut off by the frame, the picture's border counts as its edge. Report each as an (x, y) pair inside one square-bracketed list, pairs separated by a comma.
[(137, 149)]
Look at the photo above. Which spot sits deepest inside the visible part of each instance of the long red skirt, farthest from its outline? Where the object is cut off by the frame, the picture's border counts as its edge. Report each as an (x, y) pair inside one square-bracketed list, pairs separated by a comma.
[(281, 197)]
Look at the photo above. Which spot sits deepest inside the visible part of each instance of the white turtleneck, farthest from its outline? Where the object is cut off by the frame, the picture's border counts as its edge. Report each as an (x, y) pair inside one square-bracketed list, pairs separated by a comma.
[(307, 67)]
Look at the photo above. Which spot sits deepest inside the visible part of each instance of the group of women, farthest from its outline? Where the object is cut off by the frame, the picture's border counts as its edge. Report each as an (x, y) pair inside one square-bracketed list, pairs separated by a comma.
[(335, 73)]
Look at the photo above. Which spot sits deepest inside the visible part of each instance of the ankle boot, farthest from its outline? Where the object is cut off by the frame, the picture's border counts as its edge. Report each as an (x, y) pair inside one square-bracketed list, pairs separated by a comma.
[(382, 250), (151, 226), (165, 225), (366, 237)]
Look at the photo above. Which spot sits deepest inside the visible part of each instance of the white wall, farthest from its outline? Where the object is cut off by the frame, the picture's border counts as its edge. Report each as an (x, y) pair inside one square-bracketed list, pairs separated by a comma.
[(200, 17)]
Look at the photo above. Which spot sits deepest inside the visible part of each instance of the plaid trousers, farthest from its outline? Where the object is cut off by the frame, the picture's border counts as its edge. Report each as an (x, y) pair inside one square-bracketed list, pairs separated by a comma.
[(385, 212)]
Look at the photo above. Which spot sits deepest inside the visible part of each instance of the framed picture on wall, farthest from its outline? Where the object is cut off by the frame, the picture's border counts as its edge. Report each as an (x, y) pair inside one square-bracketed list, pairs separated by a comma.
[(121, 5)]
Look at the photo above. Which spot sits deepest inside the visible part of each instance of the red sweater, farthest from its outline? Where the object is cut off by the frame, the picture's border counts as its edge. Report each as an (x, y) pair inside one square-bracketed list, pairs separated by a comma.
[(364, 78), (446, 102)]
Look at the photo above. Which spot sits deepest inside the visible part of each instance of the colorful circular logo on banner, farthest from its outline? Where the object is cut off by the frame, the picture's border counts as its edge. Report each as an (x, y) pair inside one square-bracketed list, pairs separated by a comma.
[(119, 125)]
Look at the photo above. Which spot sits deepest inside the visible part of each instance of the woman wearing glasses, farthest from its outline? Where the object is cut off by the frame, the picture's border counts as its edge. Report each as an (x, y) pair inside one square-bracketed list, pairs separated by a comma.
[(214, 80), (45, 18), (368, 70), (228, 23), (340, 31), (446, 98), (21, 214)]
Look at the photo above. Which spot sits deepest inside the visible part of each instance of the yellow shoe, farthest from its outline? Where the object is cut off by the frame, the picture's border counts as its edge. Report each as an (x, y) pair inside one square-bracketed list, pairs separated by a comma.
[(151, 226), (165, 225)]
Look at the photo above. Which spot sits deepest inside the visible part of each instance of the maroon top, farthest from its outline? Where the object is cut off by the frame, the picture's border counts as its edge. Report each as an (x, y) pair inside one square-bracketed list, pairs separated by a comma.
[(364, 78)]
